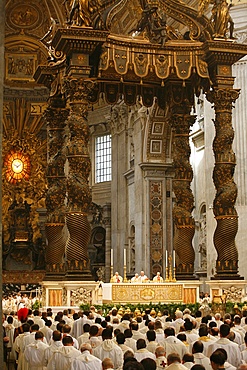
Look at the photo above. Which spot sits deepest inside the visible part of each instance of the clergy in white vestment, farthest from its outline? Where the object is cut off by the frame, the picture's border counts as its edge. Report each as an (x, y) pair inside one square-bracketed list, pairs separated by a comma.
[(63, 358), (56, 345), (116, 278), (9, 330), (188, 360), (34, 353), (232, 349), (66, 330), (86, 361), (199, 357), (120, 339), (19, 347), (85, 336), (161, 360), (152, 343), (107, 364), (109, 349), (142, 351), (174, 362), (158, 278), (173, 344), (77, 329), (143, 278)]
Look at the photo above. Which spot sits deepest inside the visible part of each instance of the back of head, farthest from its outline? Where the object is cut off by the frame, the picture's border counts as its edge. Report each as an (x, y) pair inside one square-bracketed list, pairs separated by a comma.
[(173, 357), (198, 367), (169, 331), (10, 320), (134, 326), (86, 328), (127, 333), (26, 327), (237, 320), (160, 351), (86, 347), (218, 357), (179, 314), (66, 329), (157, 325), (56, 335), (188, 357), (67, 341), (203, 331), (39, 335), (93, 331), (34, 327), (141, 343), (223, 351), (148, 364), (151, 335), (48, 323), (128, 355), (36, 313), (188, 325), (107, 363), (107, 334), (197, 347), (182, 337), (214, 332), (133, 365), (120, 338), (224, 330)]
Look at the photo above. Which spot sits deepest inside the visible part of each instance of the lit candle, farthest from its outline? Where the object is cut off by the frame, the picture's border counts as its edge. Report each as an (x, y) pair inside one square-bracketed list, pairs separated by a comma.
[(124, 257), (111, 257), (173, 258)]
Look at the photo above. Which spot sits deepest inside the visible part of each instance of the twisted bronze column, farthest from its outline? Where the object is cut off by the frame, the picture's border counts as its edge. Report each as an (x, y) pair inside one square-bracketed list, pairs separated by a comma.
[(56, 115), (78, 191), (226, 190), (181, 121)]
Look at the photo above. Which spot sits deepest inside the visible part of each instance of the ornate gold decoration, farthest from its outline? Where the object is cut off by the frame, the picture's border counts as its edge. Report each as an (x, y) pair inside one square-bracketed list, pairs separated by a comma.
[(26, 277), (81, 296), (143, 293), (220, 17), (82, 13), (21, 142), (17, 166)]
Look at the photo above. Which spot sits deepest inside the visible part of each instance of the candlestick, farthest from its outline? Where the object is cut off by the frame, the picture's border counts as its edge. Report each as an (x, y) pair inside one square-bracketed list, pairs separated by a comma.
[(173, 258), (111, 257), (124, 257)]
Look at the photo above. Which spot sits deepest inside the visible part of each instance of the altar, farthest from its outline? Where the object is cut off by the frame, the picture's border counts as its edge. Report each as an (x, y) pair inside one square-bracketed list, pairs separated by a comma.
[(170, 292), (73, 294)]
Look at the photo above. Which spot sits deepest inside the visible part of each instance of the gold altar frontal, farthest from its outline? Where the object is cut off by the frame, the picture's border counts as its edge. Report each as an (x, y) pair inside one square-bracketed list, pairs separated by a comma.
[(179, 292), (140, 293)]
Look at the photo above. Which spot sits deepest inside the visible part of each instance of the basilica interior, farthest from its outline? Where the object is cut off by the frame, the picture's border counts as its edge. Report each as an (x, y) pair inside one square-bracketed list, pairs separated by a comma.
[(124, 142)]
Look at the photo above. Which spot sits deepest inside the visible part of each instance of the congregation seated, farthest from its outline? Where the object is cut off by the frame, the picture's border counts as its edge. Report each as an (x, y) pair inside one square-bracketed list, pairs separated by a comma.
[(129, 341)]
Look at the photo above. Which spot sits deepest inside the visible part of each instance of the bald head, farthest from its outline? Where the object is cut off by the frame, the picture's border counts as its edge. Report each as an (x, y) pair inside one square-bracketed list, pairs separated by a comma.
[(160, 351), (107, 364), (86, 347)]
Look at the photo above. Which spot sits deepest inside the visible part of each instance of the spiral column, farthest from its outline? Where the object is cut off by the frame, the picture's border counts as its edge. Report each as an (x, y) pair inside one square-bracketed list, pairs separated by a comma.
[(181, 121), (56, 116), (78, 191), (226, 190)]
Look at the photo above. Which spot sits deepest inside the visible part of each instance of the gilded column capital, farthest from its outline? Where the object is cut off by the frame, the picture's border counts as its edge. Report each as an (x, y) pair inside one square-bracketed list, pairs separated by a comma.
[(223, 98)]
